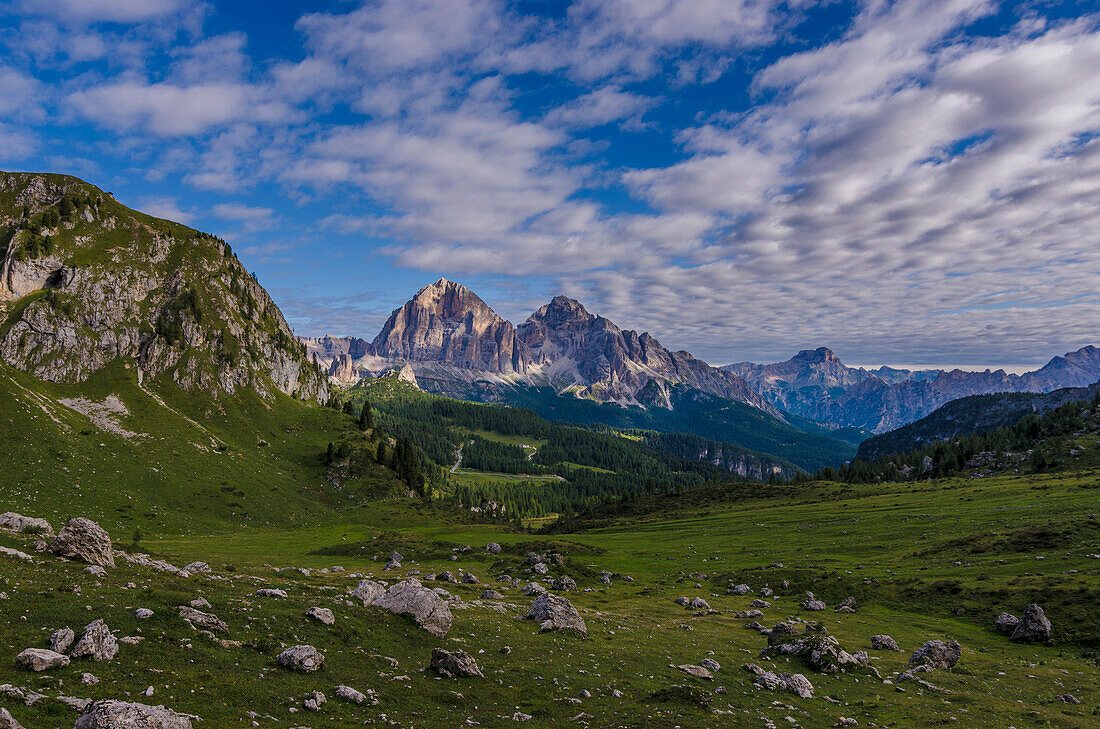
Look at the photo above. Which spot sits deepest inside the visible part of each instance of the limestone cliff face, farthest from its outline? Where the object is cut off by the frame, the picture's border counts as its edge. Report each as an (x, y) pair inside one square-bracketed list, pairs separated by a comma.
[(447, 324), (85, 281), (608, 363)]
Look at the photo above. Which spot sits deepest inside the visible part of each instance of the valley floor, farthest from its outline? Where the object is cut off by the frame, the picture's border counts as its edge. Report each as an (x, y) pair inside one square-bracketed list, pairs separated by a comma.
[(935, 560)]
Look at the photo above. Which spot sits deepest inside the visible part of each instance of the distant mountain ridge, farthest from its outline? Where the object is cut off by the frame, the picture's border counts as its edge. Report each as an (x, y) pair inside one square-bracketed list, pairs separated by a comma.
[(817, 385), (455, 344), (971, 415)]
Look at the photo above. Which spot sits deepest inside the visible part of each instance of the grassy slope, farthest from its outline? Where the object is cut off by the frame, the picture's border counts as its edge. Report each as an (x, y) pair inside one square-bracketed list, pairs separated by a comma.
[(199, 466), (912, 556)]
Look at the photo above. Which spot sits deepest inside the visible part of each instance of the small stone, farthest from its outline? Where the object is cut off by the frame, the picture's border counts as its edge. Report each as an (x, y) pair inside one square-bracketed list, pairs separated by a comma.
[(303, 658), (321, 614)]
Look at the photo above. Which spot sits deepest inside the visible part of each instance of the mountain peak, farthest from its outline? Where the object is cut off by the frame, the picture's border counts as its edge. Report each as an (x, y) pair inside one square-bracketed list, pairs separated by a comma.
[(562, 310), (821, 354)]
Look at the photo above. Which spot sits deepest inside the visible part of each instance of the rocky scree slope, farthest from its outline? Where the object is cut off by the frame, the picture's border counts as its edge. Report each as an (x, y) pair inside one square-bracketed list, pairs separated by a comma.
[(85, 280)]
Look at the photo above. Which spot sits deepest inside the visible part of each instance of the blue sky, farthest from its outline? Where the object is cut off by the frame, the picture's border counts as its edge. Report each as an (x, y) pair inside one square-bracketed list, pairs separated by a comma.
[(906, 182)]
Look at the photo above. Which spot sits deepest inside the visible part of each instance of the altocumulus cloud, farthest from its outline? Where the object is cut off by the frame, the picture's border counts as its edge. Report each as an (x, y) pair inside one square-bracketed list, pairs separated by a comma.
[(909, 181)]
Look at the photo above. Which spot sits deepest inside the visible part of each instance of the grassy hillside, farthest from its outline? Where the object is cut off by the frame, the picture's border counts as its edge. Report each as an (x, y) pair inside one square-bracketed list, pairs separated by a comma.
[(158, 459), (938, 561)]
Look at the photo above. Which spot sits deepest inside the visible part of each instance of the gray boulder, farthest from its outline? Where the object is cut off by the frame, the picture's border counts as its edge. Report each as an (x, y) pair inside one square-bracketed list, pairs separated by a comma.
[(884, 642), (795, 683), (313, 701), (409, 597), (110, 714), (26, 524), (143, 613), (97, 643), (492, 548), (85, 540), (1006, 623), (696, 671), (565, 583), (321, 614), (711, 665), (699, 603), (448, 664), (7, 721), (40, 659), (1034, 627), (741, 589), (303, 658), (937, 654), (812, 603), (197, 568), (368, 591), (61, 639), (347, 693), (204, 621), (556, 613), (489, 594), (270, 592)]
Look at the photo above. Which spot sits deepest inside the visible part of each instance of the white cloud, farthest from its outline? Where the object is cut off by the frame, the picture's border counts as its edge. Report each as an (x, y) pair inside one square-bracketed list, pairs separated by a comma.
[(106, 11), (604, 105), (165, 207), (251, 218)]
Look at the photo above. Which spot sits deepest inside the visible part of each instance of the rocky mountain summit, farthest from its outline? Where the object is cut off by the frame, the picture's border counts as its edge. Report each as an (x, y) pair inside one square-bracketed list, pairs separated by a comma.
[(85, 281), (451, 338), (816, 384)]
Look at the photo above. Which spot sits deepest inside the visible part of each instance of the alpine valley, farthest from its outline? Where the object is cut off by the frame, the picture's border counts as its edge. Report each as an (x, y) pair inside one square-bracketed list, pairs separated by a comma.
[(206, 521)]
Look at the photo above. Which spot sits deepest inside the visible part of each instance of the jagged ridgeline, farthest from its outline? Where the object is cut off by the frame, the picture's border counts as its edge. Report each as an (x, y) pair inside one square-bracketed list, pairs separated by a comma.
[(86, 281)]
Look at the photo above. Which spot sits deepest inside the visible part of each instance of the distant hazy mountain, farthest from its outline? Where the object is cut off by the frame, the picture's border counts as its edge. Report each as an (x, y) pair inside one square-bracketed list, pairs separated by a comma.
[(457, 345), (817, 385), (970, 416)]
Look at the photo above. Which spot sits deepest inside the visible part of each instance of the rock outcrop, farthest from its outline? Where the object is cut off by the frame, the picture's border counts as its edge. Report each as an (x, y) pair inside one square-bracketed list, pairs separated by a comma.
[(85, 540), (40, 659), (450, 664), (937, 654), (1033, 626), (111, 714), (428, 609), (304, 658), (554, 612), (165, 298), (96, 643), (26, 525)]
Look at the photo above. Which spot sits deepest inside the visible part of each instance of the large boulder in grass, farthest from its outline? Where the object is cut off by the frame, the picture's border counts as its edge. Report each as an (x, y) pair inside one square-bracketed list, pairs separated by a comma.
[(110, 714), (85, 540), (368, 591), (7, 721), (428, 609), (458, 663), (554, 612), (1034, 627), (937, 654), (26, 525), (201, 620), (97, 643), (303, 658), (1006, 623), (40, 659)]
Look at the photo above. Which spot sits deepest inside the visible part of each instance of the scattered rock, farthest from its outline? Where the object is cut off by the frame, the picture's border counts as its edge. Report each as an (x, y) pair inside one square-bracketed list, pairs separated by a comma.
[(1069, 699), (321, 614), (1006, 623), (848, 605), (409, 597), (313, 701), (884, 642), (489, 594), (368, 591), (533, 588), (749, 614), (937, 654), (143, 613), (7, 721), (204, 621), (110, 714), (61, 639), (97, 643), (812, 603), (96, 571), (26, 524), (556, 613), (198, 568), (304, 658), (459, 663), (681, 601), (711, 665), (469, 578), (40, 659), (492, 548), (1034, 627), (89, 679), (347, 693), (697, 671), (270, 592), (741, 589), (795, 683), (699, 603), (200, 603), (85, 540), (565, 583)]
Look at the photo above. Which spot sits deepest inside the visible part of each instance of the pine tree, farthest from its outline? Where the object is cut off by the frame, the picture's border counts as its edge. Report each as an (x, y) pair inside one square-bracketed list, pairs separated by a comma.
[(331, 456), (381, 457), (366, 418), (349, 408)]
